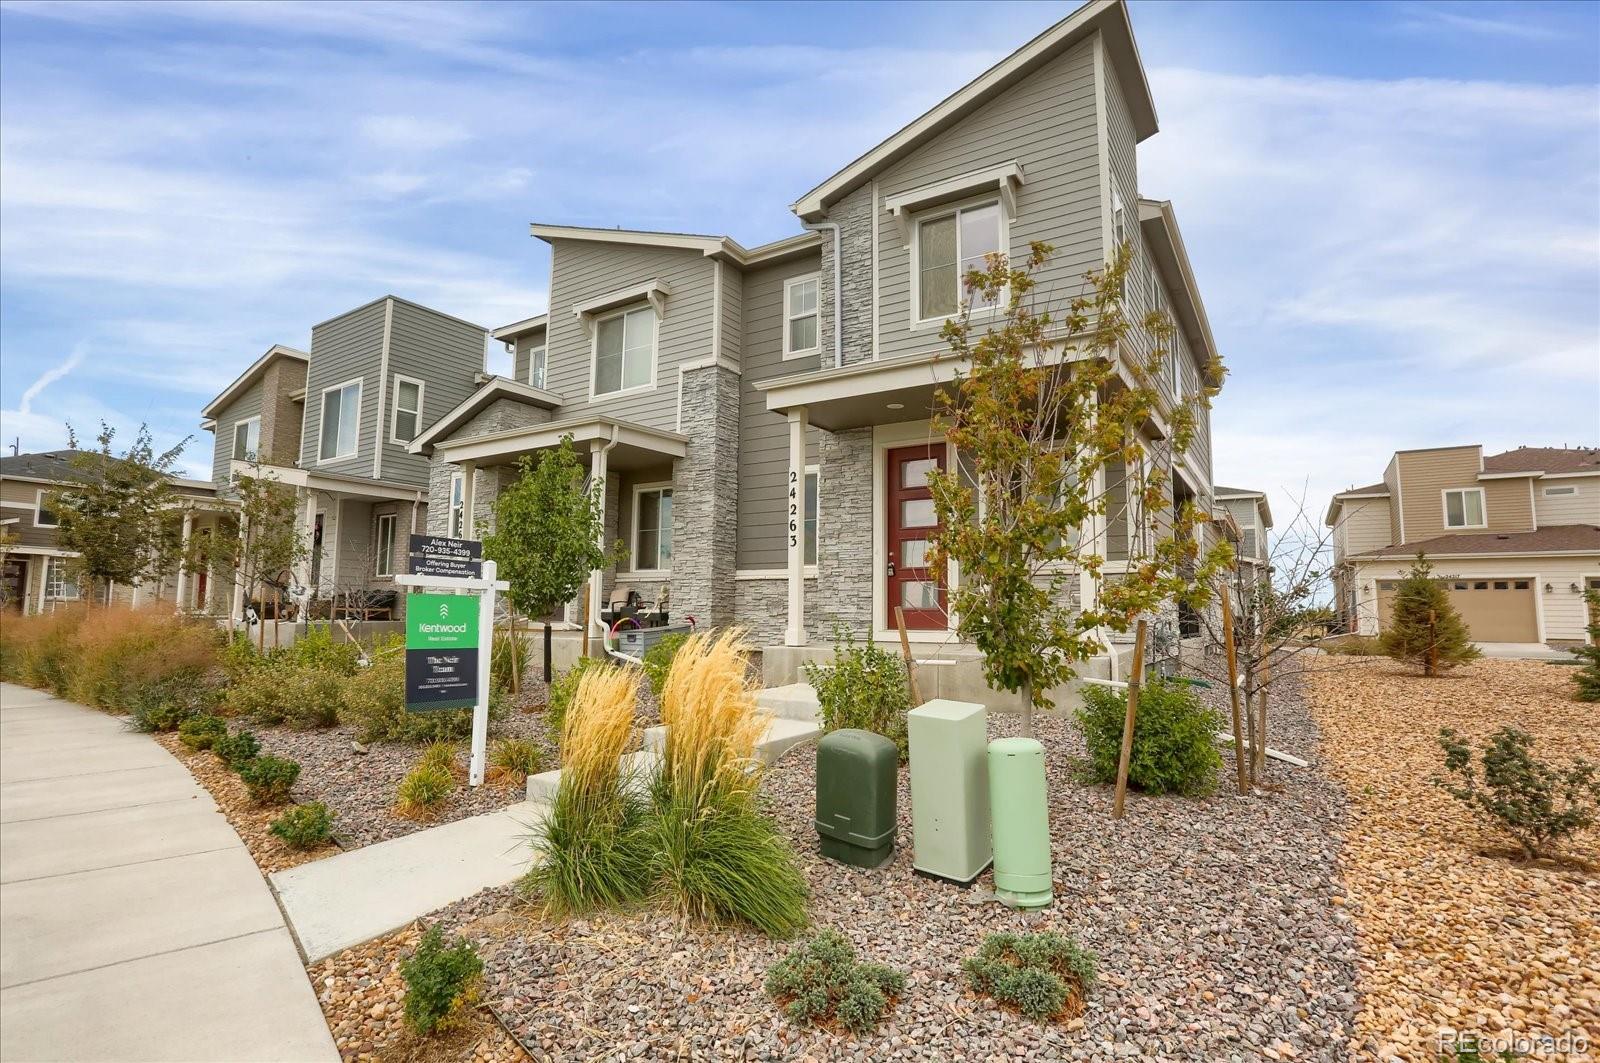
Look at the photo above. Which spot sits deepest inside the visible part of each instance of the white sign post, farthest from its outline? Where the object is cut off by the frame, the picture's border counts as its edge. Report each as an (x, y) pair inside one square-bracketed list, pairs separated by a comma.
[(485, 586)]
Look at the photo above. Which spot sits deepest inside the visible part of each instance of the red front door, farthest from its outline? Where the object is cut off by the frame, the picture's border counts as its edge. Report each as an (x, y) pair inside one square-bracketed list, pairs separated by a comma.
[(911, 524)]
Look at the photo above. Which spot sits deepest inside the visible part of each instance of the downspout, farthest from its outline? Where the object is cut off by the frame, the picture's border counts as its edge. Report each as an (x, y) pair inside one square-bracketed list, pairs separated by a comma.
[(838, 281), (605, 460)]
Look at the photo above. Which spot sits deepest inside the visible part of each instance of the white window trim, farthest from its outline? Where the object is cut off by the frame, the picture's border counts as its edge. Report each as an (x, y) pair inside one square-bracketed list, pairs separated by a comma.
[(544, 378), (633, 536), (52, 584), (594, 351), (383, 561), (789, 315), (322, 416), (458, 489), (934, 214), (1444, 507), (38, 510), (233, 447), (811, 470), (394, 412)]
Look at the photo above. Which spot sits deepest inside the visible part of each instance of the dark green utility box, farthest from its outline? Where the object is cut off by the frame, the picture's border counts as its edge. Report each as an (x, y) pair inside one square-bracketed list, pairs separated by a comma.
[(857, 780)]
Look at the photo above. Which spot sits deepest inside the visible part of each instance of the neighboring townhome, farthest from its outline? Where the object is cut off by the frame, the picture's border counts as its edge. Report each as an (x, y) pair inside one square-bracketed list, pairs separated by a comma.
[(1515, 537), (34, 575), (336, 425), (758, 418), (1253, 516)]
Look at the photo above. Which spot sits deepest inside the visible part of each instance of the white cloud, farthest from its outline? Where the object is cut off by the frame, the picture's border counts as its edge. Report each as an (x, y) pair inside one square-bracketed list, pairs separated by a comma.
[(48, 377)]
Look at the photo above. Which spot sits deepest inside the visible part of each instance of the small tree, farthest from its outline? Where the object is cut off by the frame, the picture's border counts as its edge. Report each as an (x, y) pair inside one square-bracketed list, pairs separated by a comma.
[(1588, 677), (546, 540), (114, 511), (265, 544), (1039, 409), (1424, 629)]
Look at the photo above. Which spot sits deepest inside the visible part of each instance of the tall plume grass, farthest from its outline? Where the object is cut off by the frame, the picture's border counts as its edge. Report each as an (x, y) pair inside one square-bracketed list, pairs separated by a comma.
[(708, 704)]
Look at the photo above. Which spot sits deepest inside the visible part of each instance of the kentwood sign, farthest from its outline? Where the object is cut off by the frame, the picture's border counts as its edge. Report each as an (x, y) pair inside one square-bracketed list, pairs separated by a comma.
[(441, 651), (437, 555)]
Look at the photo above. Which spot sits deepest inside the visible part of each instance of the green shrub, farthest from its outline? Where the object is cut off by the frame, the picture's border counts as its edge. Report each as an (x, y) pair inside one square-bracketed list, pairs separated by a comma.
[(658, 660), (1174, 737), (304, 826), (562, 689), (269, 779), (820, 980), (236, 749), (424, 788), (303, 697), (1355, 646), (1041, 975), (864, 687), (1424, 629), (1587, 677), (1537, 804), (508, 659), (200, 732), (514, 759), (374, 703), (239, 656), (320, 649), (442, 982), (165, 704)]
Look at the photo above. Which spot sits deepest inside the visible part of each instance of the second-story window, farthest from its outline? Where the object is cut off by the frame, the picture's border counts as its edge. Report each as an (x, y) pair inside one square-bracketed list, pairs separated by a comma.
[(341, 421), (1119, 233), (948, 246), (1464, 508), (43, 515), (247, 439), (800, 316), (385, 548), (407, 421), (624, 351), (536, 359), (652, 528)]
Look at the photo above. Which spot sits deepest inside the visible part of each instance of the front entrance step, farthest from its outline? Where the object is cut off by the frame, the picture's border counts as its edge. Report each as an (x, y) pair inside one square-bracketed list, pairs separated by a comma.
[(638, 767), (797, 701), (344, 900)]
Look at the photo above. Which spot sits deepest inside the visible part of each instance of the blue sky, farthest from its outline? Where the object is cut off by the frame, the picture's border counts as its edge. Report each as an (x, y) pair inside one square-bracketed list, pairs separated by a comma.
[(1393, 208)]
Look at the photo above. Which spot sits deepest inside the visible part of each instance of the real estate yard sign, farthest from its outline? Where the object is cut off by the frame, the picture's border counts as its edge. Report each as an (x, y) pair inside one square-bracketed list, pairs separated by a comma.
[(441, 651)]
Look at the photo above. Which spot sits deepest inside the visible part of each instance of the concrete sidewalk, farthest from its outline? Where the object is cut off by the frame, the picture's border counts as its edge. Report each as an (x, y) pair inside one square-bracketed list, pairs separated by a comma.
[(133, 923)]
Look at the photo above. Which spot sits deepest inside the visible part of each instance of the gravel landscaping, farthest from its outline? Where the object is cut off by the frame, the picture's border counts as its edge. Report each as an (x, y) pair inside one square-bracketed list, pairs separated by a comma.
[(1454, 935), (1219, 925)]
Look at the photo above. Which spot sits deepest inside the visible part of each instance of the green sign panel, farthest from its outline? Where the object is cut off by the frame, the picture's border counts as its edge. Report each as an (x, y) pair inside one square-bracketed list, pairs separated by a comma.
[(441, 651)]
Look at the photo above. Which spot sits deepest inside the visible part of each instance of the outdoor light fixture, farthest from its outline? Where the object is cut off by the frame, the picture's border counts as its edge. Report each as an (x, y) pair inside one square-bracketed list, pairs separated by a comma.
[(1575, 588), (1548, 588)]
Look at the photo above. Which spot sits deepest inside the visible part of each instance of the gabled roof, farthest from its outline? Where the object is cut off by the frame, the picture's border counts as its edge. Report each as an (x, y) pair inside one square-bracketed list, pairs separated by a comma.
[(1379, 488), (1259, 497), (495, 388), (55, 467), (251, 375), (1547, 460), (1555, 539), (1159, 223), (723, 247), (1108, 17)]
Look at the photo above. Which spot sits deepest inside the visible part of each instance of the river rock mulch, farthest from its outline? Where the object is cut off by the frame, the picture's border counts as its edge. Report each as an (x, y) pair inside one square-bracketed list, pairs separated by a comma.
[(1218, 923), (1455, 936)]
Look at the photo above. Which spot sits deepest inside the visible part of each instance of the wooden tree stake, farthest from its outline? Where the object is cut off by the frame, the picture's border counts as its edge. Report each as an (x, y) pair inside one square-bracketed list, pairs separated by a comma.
[(905, 652), (1134, 680), (585, 642), (1233, 691), (1259, 752), (1433, 643)]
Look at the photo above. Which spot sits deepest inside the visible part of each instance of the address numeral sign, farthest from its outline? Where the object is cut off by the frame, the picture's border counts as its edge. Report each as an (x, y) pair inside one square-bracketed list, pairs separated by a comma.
[(794, 508)]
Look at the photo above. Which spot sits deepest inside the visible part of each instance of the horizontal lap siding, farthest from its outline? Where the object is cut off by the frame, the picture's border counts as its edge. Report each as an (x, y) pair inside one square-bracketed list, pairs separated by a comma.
[(585, 270), (764, 436), (523, 361), (1580, 508), (1047, 123), (243, 408), (1364, 523), (347, 347), (1425, 475), (446, 355)]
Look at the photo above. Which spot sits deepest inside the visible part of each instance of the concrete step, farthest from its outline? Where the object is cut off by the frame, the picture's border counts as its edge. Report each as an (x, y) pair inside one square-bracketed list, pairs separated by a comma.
[(639, 766), (797, 701), (783, 735)]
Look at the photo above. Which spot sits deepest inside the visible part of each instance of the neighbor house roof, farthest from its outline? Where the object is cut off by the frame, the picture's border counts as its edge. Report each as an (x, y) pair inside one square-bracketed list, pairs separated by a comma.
[(1548, 460), (499, 387), (1555, 539), (55, 466), (723, 247), (1108, 17), (519, 328), (251, 375), (1379, 488), (1223, 493)]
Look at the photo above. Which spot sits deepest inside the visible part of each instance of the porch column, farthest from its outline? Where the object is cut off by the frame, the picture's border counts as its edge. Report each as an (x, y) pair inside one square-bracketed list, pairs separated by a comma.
[(236, 606), (183, 568), (309, 532), (469, 497), (138, 585), (598, 459), (795, 633), (44, 581)]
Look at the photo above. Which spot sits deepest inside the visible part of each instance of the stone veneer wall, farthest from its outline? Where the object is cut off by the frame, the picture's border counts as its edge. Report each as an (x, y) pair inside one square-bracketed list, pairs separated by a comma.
[(501, 415), (844, 538), (705, 498), (854, 216), (761, 607)]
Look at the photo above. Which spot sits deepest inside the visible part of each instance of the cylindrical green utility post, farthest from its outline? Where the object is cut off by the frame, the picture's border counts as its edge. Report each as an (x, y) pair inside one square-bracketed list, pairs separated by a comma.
[(1020, 821)]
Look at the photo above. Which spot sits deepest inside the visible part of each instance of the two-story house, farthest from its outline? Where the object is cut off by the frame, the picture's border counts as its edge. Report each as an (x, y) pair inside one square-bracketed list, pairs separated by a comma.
[(758, 418), (1252, 515), (336, 424), (1515, 537)]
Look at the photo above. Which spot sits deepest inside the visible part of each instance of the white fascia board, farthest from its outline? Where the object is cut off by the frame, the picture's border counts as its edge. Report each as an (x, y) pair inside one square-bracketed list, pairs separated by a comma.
[(495, 387), (655, 290), (519, 328), (1508, 475), (249, 376)]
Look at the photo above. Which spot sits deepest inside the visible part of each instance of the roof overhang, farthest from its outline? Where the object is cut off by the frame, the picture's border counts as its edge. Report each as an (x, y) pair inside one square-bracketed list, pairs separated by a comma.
[(1509, 475), (1107, 17), (329, 482), (722, 248), (632, 446), (496, 388), (1340, 499), (1159, 224), (1480, 556), (248, 377), (1258, 497), (516, 329)]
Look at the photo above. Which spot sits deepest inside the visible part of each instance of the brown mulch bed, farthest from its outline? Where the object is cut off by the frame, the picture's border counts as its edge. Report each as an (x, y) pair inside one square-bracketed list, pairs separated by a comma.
[(249, 820), (1454, 935)]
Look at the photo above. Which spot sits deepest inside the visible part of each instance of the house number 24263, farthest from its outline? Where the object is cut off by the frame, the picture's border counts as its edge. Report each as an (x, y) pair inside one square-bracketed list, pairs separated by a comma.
[(794, 508)]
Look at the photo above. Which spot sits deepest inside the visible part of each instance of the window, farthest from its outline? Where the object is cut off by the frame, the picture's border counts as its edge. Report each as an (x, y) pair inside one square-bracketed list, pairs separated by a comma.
[(800, 316), (1119, 232), (1551, 492), (59, 584), (1464, 508), (406, 424), (947, 247), (536, 364), (44, 516), (341, 420), (624, 351), (813, 485), (458, 506), (652, 528), (247, 439), (385, 566), (1521, 584)]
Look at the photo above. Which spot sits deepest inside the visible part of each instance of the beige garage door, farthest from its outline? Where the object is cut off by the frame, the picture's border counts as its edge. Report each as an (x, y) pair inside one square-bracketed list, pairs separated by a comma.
[(1495, 610)]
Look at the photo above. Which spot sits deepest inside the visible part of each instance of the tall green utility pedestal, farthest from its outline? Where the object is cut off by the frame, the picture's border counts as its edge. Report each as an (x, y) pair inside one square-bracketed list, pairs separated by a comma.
[(949, 789), (1021, 822)]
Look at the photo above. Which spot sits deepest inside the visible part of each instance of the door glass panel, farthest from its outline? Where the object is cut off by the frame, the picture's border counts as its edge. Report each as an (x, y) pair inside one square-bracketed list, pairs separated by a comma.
[(917, 513), (919, 594), (914, 553), (914, 473)]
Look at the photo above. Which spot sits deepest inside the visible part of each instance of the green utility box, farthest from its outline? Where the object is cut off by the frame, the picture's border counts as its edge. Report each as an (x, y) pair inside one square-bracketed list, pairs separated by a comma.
[(857, 779), (1021, 822), (949, 789)]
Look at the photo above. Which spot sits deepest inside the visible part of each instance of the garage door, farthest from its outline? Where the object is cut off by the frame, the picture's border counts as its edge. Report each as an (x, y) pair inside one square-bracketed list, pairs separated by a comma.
[(1495, 610)]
